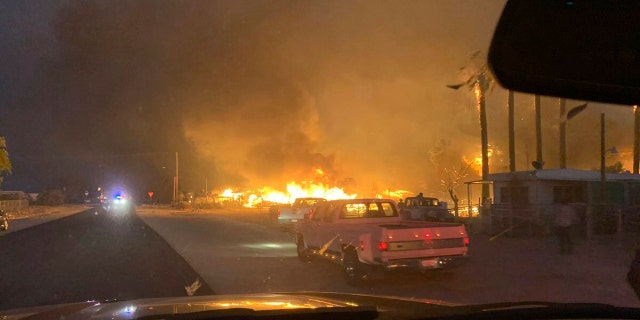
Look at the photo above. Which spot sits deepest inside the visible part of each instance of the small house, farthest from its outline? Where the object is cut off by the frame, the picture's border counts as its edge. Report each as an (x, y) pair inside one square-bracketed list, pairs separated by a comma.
[(530, 198)]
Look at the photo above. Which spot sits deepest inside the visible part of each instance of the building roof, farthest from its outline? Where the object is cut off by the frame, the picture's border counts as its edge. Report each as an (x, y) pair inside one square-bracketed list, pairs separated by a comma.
[(562, 175)]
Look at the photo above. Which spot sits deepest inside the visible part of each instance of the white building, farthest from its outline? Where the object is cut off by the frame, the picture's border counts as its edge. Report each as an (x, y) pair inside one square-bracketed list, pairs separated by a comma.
[(529, 198)]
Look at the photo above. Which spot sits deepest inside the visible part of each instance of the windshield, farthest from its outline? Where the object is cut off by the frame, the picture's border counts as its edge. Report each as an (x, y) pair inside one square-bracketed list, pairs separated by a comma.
[(154, 148)]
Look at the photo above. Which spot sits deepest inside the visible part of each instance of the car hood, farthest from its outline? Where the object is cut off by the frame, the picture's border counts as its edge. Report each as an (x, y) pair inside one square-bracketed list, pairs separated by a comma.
[(316, 305), (230, 306)]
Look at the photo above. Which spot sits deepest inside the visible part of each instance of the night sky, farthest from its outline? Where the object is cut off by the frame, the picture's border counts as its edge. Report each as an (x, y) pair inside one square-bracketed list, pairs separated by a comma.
[(256, 93)]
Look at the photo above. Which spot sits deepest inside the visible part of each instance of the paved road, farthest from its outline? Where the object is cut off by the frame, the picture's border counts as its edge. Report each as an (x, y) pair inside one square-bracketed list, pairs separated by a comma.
[(239, 252), (90, 255)]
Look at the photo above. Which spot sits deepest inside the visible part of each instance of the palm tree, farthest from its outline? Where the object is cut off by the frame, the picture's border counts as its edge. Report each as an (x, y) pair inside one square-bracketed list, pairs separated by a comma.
[(478, 79), (5, 163)]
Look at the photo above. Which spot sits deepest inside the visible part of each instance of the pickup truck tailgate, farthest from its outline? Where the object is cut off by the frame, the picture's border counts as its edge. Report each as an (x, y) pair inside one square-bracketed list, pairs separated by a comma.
[(423, 240)]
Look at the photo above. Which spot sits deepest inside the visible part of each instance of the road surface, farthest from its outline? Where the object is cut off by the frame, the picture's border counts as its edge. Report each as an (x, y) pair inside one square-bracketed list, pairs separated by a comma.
[(238, 251), (89, 255), (97, 255)]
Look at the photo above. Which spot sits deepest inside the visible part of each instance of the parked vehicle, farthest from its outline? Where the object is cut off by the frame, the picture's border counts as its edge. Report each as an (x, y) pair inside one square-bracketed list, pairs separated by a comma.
[(288, 215), (427, 209), (365, 235)]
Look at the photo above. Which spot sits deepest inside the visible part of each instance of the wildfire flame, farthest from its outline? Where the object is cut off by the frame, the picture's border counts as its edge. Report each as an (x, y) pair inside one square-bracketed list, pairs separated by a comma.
[(476, 162), (228, 193), (294, 191), (302, 189), (394, 194)]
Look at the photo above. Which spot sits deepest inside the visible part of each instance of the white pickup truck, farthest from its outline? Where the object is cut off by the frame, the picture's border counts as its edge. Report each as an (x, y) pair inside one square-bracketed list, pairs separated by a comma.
[(288, 215), (367, 234)]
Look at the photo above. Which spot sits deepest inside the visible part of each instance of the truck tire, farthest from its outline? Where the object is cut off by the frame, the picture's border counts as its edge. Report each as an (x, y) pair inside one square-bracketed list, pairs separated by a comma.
[(301, 249), (354, 270)]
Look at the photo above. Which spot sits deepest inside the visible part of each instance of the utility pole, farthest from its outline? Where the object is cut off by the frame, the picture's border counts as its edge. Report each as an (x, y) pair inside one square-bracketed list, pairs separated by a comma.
[(536, 105), (175, 182), (636, 139), (479, 80), (563, 134), (481, 85), (603, 177), (512, 145)]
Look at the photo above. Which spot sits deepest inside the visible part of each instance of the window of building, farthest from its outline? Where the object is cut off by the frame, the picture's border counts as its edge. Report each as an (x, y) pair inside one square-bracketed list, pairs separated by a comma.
[(515, 195)]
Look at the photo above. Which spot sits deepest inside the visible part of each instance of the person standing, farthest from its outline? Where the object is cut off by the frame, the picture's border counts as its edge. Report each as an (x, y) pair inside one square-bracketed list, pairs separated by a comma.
[(564, 220)]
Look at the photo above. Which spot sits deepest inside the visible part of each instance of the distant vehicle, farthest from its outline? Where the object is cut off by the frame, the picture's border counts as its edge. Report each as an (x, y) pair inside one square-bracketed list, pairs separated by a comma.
[(427, 209), (288, 215), (4, 221), (118, 203), (365, 235)]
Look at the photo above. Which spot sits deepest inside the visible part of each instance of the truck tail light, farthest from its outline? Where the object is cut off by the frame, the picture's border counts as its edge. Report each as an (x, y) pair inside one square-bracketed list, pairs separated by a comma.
[(361, 245), (466, 241), (278, 212), (383, 246)]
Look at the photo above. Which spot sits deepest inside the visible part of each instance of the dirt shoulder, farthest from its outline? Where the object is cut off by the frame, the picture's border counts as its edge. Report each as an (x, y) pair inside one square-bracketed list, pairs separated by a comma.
[(35, 215), (35, 211)]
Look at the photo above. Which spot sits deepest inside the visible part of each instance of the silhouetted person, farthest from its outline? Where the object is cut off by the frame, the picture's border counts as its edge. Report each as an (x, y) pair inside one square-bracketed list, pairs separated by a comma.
[(564, 220)]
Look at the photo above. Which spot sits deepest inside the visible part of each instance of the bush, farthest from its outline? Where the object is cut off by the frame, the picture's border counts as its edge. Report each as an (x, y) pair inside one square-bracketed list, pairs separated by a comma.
[(51, 197), (182, 206)]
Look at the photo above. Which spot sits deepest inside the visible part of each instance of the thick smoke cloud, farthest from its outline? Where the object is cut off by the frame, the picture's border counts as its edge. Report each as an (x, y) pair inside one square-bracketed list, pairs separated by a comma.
[(254, 93)]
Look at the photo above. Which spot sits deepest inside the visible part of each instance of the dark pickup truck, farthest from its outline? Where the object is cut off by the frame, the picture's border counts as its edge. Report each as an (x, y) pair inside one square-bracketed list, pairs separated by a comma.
[(425, 209)]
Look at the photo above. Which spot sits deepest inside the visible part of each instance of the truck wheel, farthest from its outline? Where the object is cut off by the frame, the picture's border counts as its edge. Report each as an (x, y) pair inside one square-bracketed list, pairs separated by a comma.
[(353, 269), (303, 252)]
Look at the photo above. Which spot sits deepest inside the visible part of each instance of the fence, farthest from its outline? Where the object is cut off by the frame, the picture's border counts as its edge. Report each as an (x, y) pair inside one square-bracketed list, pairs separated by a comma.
[(13, 205), (538, 219), (527, 220)]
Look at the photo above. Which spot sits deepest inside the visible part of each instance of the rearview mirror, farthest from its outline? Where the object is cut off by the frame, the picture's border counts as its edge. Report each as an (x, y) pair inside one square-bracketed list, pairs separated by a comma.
[(579, 49)]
